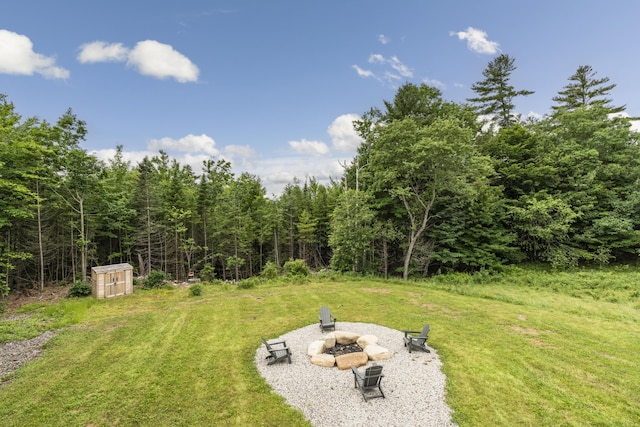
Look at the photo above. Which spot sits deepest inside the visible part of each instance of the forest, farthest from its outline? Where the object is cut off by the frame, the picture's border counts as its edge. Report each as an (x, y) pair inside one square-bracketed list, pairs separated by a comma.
[(436, 187)]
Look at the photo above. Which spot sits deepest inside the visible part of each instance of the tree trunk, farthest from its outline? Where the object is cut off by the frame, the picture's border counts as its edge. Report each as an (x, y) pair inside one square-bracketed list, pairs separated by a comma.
[(414, 235), (40, 248), (148, 233), (385, 257), (141, 269), (73, 257), (83, 247), (276, 254)]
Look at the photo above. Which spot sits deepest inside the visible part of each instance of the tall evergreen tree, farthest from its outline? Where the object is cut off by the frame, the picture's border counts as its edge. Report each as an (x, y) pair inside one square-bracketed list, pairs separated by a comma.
[(116, 214), (146, 204), (585, 90), (215, 176), (495, 93), (17, 159)]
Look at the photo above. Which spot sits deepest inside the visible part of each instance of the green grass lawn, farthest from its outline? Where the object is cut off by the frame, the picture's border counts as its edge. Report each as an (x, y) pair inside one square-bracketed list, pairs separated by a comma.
[(525, 347)]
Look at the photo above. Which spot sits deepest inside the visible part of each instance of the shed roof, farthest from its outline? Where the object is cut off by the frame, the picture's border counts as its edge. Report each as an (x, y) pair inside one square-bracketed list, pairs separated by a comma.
[(112, 267)]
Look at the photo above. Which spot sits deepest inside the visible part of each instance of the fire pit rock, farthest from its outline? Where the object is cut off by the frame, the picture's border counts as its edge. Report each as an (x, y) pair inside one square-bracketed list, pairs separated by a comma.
[(323, 360), (344, 349), (345, 338), (356, 359)]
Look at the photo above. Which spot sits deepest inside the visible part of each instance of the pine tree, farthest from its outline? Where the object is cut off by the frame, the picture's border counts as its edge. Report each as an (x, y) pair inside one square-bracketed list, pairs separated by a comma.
[(495, 94), (585, 90)]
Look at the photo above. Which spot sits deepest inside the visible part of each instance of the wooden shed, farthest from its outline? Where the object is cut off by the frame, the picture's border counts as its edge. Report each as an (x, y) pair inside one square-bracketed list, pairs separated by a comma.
[(111, 280)]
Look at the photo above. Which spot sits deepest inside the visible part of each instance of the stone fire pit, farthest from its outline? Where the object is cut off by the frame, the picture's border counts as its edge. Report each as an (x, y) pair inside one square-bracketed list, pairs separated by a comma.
[(366, 348)]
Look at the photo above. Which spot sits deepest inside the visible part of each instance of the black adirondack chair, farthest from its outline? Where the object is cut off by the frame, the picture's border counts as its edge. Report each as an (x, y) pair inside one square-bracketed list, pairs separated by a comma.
[(278, 351), (327, 320), (369, 382), (417, 341)]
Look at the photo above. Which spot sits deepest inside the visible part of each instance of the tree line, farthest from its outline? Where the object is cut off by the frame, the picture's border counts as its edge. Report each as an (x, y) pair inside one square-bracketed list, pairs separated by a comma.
[(435, 186)]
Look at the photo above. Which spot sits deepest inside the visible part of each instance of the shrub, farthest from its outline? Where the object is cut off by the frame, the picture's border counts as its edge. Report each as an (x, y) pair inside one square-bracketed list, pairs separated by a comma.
[(155, 279), (296, 280), (207, 274), (79, 289), (195, 290), (271, 270), (330, 275), (249, 283), (296, 268)]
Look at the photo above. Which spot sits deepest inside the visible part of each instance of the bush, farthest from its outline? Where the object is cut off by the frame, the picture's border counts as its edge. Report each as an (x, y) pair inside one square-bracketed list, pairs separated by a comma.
[(271, 270), (195, 290), (155, 279), (330, 275), (207, 274), (249, 283), (296, 280), (296, 268), (79, 289)]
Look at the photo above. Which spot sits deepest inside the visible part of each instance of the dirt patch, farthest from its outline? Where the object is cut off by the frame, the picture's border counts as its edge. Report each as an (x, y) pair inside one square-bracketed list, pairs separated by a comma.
[(525, 331), (51, 293), (534, 336), (442, 310)]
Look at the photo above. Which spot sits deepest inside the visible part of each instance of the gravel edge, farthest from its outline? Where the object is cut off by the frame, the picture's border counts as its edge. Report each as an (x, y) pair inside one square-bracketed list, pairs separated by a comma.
[(16, 353)]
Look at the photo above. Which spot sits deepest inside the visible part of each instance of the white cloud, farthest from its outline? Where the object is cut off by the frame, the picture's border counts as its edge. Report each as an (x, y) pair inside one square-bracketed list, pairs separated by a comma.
[(244, 151), (363, 73), (391, 77), (534, 116), (343, 135), (398, 69), (477, 41), (192, 143), (309, 147), (241, 156), (18, 57), (133, 157), (376, 58), (402, 69), (100, 51), (435, 83), (489, 122), (161, 60), (308, 159), (274, 177), (392, 69), (194, 161), (281, 177), (149, 57), (635, 124), (383, 39)]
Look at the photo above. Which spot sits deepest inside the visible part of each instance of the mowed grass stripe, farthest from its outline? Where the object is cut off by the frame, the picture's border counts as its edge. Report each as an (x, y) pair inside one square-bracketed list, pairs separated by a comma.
[(513, 353)]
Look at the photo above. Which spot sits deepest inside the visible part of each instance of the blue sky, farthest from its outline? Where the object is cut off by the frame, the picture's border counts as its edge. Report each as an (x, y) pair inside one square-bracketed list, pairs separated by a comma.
[(273, 86)]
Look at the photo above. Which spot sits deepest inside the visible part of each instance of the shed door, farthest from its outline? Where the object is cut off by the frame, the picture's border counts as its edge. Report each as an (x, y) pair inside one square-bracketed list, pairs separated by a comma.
[(114, 284)]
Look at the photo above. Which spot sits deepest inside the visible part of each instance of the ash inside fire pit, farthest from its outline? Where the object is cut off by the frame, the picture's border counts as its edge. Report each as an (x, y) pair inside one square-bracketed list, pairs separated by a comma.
[(341, 349)]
